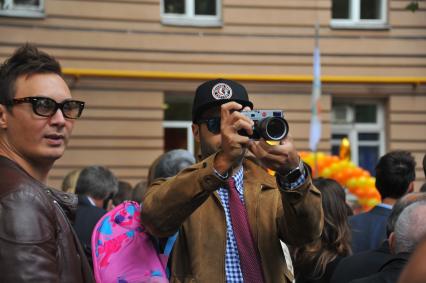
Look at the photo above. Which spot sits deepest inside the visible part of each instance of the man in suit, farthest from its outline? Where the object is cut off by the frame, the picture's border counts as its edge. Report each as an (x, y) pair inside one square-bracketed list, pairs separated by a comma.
[(410, 229), (367, 263), (395, 175), (96, 186)]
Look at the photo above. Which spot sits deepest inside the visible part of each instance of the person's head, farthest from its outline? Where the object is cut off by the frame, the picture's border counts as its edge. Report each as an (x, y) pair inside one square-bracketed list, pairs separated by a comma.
[(423, 188), (124, 193), (172, 162), (139, 191), (410, 228), (399, 207), (335, 238), (70, 181), (97, 182), (209, 96), (395, 174), (36, 111)]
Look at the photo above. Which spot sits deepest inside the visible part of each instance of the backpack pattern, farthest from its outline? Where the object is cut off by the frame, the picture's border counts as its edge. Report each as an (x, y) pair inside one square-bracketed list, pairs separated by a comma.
[(123, 251)]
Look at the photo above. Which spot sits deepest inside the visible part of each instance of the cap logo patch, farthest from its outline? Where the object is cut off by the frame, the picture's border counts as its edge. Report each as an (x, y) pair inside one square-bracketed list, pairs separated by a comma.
[(222, 91)]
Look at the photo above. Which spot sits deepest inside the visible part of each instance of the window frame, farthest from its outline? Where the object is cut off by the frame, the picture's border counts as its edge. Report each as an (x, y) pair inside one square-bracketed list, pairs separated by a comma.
[(189, 18), (355, 21), (352, 129), (25, 11)]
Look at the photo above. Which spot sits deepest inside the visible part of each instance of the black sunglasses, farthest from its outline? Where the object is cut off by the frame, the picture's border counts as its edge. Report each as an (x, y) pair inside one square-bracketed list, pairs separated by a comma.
[(47, 107), (213, 124)]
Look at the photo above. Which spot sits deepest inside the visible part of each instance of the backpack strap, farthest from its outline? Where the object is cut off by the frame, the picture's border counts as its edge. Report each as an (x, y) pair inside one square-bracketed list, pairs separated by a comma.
[(170, 243)]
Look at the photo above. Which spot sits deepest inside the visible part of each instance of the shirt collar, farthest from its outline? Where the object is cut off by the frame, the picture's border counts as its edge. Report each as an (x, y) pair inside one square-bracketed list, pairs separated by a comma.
[(238, 177), (91, 201), (384, 205)]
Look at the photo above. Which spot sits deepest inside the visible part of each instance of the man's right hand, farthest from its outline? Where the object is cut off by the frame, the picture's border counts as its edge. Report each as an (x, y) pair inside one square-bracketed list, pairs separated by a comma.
[(233, 145)]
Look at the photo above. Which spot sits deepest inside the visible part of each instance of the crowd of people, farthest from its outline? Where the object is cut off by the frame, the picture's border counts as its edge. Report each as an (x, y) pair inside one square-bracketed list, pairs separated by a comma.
[(235, 221)]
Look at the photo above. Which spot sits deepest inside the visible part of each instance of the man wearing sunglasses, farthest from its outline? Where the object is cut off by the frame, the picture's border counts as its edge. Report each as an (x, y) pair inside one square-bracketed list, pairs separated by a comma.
[(37, 115), (230, 213)]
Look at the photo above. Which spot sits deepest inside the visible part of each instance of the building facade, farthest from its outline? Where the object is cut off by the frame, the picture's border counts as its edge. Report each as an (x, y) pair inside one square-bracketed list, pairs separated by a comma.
[(136, 63)]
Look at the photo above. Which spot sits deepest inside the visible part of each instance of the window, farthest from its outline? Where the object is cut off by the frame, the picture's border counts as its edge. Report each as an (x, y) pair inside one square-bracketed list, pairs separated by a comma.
[(191, 12), (359, 13), (178, 121), (363, 125), (22, 8)]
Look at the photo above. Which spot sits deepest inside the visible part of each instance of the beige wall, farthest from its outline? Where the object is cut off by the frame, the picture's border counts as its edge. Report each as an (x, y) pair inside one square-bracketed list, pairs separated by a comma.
[(122, 127)]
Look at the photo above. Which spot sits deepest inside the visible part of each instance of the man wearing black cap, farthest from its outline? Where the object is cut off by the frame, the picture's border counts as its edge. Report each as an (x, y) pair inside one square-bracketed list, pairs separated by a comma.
[(230, 213)]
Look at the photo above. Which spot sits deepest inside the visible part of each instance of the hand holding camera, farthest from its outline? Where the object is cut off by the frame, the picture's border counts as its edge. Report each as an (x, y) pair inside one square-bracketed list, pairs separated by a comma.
[(242, 130)]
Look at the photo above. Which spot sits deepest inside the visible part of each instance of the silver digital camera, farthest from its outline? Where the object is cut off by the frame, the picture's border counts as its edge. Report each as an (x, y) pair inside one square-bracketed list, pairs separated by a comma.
[(268, 124)]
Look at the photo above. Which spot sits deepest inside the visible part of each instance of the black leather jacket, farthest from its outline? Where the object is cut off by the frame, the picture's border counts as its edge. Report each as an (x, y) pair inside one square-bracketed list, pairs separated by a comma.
[(37, 242)]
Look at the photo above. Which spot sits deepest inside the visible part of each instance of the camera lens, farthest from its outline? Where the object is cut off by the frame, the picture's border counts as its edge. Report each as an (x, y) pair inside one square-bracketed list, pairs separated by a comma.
[(274, 128)]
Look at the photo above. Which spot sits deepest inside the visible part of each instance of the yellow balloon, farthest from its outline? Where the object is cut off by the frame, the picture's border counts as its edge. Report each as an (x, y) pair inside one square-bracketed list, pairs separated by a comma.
[(326, 173), (345, 149), (351, 183), (363, 181)]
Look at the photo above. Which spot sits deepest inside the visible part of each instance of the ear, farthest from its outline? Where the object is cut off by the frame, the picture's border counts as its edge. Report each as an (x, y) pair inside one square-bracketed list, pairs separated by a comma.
[(392, 242), (196, 132), (3, 117), (410, 187)]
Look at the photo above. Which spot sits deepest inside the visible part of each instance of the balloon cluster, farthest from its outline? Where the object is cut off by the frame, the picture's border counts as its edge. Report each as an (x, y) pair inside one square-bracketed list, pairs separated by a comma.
[(358, 181)]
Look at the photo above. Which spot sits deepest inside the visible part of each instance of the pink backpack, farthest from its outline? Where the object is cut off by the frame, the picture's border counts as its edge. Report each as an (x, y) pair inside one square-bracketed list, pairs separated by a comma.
[(123, 252)]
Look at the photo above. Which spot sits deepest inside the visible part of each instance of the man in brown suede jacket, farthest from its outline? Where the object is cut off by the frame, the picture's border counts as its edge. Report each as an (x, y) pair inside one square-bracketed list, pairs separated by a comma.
[(198, 201), (37, 243)]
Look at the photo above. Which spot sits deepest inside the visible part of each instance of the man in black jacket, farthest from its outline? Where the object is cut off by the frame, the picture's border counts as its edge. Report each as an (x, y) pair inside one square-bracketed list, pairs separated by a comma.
[(395, 175), (95, 187), (367, 263), (410, 229), (37, 116)]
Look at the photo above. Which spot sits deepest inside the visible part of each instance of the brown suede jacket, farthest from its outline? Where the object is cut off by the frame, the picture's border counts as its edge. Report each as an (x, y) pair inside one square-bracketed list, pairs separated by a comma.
[(37, 243), (189, 203)]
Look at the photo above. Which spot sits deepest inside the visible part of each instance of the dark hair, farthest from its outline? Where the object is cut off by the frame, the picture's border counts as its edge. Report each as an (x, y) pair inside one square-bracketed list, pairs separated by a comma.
[(423, 188), (311, 260), (394, 172), (97, 182), (26, 61), (139, 191), (399, 207), (124, 193), (424, 164)]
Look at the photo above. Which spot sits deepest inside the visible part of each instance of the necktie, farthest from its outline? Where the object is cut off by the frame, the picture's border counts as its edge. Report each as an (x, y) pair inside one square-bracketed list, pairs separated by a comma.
[(249, 256)]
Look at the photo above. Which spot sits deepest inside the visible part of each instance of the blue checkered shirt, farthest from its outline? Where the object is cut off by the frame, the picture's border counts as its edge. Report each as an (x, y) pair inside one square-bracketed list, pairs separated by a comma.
[(232, 258)]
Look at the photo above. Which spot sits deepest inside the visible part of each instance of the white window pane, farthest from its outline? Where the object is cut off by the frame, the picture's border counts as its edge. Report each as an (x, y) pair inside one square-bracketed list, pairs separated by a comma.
[(174, 6), (340, 9), (205, 7), (370, 9)]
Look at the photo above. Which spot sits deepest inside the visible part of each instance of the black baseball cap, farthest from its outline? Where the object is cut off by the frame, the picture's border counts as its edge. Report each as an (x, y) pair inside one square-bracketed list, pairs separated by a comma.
[(217, 92)]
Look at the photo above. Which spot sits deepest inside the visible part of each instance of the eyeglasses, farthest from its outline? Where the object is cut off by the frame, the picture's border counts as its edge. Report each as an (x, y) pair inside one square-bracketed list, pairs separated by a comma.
[(213, 124), (47, 107)]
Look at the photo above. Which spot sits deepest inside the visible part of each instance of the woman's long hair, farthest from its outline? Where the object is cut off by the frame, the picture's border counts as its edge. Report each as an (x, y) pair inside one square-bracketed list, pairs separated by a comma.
[(312, 259)]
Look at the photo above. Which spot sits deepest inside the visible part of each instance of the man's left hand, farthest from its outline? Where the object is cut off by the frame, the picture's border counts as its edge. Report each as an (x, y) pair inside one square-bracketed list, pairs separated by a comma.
[(280, 158)]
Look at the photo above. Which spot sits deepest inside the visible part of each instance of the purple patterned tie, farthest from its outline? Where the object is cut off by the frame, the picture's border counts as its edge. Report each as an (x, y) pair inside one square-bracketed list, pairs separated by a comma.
[(249, 255)]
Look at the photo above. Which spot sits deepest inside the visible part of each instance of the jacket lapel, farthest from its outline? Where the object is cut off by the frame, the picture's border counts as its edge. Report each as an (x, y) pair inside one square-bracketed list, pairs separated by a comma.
[(255, 181)]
